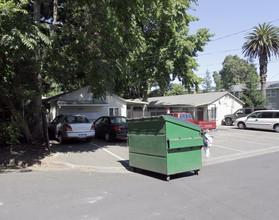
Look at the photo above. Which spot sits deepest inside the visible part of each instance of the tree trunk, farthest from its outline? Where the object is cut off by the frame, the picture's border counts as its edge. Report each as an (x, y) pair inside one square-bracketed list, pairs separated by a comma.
[(263, 72), (38, 131), (144, 88)]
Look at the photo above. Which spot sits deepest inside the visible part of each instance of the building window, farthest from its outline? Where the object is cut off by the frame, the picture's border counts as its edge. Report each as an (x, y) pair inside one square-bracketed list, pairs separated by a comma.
[(271, 105), (113, 112), (270, 93)]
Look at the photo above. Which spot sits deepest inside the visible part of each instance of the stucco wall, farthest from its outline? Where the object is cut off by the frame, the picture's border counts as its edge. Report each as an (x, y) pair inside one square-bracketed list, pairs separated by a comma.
[(92, 111), (226, 105)]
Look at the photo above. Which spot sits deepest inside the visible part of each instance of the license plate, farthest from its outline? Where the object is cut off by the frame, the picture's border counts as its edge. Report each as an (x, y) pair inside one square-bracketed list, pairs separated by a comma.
[(82, 135)]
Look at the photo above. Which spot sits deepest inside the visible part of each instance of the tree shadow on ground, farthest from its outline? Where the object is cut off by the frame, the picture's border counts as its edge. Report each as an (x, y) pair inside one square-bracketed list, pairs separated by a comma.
[(21, 156)]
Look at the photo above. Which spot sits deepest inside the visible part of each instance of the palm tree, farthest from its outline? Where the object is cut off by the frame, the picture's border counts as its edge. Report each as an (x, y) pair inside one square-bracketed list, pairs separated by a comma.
[(263, 42)]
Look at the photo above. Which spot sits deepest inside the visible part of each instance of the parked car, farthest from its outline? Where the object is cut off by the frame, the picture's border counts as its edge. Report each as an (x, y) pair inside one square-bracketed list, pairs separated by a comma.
[(65, 127), (230, 119), (206, 125), (111, 127), (266, 119)]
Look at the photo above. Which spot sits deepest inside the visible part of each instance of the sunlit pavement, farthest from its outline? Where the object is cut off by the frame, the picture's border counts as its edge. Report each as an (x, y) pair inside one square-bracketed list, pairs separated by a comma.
[(229, 143)]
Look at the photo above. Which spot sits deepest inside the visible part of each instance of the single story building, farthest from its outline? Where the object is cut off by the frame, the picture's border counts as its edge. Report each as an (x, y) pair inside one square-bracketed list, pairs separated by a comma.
[(205, 106), (81, 101)]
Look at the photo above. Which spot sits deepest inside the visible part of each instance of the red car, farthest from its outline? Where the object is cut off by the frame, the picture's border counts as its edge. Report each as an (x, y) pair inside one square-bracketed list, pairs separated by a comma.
[(206, 125)]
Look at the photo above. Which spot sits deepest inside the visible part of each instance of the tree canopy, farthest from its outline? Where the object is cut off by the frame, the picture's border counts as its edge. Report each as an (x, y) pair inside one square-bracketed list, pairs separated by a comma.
[(251, 96), (235, 71), (123, 47)]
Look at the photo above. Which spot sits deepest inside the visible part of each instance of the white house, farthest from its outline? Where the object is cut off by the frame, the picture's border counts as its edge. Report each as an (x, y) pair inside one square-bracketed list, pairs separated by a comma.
[(81, 101)]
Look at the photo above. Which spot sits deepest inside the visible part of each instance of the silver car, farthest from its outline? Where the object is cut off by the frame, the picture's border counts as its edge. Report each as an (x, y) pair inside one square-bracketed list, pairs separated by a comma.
[(65, 127), (265, 119)]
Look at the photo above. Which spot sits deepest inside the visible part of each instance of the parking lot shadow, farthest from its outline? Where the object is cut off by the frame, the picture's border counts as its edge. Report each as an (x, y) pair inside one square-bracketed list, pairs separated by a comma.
[(21, 156), (73, 146)]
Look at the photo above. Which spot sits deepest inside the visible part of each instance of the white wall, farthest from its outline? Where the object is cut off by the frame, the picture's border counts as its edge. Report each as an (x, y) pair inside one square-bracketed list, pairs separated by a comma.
[(226, 105), (92, 112)]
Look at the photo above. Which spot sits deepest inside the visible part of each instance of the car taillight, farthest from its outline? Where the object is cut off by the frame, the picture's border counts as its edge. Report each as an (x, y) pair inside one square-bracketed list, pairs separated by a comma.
[(116, 128), (68, 128), (92, 127)]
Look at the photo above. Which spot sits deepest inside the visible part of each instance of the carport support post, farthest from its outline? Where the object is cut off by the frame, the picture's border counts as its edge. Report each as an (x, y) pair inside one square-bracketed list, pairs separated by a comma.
[(143, 110), (132, 111)]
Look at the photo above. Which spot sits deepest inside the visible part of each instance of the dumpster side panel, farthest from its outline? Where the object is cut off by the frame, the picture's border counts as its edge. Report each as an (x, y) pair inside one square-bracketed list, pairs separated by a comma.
[(148, 162), (182, 136), (183, 160), (146, 126), (148, 144)]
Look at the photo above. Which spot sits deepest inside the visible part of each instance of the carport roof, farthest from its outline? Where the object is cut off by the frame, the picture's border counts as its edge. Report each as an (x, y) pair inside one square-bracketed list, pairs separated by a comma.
[(188, 100)]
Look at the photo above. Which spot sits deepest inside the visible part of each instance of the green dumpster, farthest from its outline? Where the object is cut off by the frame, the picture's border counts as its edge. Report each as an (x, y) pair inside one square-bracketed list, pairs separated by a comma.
[(165, 145)]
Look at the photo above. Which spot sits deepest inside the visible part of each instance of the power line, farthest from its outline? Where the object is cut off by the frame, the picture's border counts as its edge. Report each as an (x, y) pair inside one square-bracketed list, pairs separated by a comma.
[(230, 35), (225, 51)]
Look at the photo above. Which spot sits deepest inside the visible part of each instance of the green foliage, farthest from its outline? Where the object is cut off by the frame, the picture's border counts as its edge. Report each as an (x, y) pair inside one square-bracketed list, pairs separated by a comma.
[(123, 47), (235, 71), (264, 40), (163, 46), (10, 133), (217, 81), (177, 89), (251, 95), (207, 82), (20, 41)]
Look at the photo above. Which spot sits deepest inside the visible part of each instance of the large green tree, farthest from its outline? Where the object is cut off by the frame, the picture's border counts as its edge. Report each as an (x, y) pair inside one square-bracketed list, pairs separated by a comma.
[(123, 47), (164, 48), (235, 71), (20, 39), (263, 43)]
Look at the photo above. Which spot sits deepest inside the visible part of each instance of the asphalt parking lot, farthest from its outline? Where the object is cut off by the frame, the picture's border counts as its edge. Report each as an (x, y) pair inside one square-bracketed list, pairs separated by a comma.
[(229, 143)]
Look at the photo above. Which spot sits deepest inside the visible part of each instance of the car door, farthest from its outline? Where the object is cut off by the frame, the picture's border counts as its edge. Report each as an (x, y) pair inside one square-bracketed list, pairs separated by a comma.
[(239, 113), (104, 126), (252, 120), (59, 126), (52, 126), (266, 121), (97, 125)]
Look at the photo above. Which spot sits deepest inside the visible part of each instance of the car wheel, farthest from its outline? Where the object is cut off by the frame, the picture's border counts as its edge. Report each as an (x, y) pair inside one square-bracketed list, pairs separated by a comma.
[(107, 137), (61, 138), (276, 128), (241, 125), (228, 121)]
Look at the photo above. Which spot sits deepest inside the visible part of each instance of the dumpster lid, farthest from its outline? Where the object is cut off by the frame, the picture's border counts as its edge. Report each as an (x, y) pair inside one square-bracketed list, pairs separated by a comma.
[(167, 117), (182, 120)]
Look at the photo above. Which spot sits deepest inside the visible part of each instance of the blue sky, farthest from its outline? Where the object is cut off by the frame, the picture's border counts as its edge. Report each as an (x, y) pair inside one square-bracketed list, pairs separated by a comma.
[(232, 17)]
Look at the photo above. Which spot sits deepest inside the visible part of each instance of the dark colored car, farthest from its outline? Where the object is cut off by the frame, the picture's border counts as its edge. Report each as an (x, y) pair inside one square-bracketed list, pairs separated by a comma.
[(65, 127), (111, 128)]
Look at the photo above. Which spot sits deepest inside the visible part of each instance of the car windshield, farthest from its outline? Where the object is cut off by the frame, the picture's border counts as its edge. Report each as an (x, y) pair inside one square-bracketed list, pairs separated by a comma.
[(76, 119), (118, 120)]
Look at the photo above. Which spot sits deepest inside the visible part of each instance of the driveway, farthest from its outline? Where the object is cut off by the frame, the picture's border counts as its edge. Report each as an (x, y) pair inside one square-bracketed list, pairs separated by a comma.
[(229, 143)]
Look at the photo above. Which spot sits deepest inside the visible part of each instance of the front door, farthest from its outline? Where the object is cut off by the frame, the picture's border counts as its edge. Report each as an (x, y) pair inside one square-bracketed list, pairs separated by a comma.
[(200, 114)]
